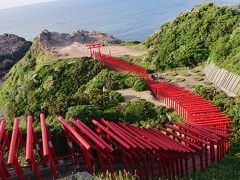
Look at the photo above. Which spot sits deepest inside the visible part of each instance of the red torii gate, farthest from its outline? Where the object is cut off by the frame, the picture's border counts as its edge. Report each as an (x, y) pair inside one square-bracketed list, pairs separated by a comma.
[(172, 148), (16, 143), (165, 152), (91, 48), (4, 144), (31, 141), (48, 149)]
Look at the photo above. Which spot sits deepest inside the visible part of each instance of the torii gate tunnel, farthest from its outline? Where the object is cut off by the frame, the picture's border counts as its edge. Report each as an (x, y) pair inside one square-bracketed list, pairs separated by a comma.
[(168, 152)]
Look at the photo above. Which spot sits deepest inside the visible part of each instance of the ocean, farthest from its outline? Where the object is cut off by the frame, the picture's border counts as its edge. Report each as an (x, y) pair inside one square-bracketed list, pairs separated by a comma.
[(124, 19)]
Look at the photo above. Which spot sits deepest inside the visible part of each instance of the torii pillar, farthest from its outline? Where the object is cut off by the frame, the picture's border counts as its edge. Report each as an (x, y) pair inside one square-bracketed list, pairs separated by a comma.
[(91, 48)]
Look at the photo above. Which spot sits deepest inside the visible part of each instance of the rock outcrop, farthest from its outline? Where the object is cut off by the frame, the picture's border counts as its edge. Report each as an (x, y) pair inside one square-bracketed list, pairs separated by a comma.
[(12, 49), (53, 39)]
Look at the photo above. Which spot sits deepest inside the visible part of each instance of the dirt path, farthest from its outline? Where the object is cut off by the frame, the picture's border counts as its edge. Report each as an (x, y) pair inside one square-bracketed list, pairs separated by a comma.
[(130, 95), (80, 50)]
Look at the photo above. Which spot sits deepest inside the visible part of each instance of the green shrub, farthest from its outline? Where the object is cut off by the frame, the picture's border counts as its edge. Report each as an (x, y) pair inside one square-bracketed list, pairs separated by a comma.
[(140, 85), (48, 88), (150, 123), (161, 115), (208, 32), (168, 79), (85, 113), (185, 73), (208, 83), (104, 100), (112, 114), (179, 79), (139, 110), (197, 78), (130, 81), (200, 74), (130, 43), (173, 74), (196, 70), (111, 80)]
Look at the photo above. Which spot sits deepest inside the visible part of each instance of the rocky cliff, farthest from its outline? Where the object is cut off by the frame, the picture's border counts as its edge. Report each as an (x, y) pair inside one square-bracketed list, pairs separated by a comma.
[(51, 39), (65, 45), (12, 49)]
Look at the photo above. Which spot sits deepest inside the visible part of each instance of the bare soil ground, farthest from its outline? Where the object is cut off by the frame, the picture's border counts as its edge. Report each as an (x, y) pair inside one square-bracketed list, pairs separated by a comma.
[(80, 50), (186, 78), (130, 95)]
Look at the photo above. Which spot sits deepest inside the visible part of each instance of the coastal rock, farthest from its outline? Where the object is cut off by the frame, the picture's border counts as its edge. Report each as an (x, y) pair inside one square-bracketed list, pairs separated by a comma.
[(12, 49)]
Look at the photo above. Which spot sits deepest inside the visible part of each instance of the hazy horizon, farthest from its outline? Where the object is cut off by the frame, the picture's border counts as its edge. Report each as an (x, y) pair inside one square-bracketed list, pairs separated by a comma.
[(20, 3)]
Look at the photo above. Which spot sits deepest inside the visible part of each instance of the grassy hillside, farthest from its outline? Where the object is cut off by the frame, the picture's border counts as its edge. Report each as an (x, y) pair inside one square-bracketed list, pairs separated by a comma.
[(209, 32)]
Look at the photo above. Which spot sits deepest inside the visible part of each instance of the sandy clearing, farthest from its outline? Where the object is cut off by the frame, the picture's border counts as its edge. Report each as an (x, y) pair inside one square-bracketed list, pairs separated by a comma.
[(80, 50), (130, 95)]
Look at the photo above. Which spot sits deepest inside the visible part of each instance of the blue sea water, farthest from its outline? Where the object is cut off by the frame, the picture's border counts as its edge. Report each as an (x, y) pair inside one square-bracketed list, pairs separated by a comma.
[(124, 19)]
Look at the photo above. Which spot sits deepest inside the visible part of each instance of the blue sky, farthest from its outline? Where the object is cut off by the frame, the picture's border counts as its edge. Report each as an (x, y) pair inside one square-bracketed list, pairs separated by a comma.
[(16, 3)]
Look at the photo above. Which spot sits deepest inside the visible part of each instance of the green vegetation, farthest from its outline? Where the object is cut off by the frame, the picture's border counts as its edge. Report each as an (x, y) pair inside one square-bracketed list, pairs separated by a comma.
[(173, 74), (185, 73), (179, 79), (130, 43), (74, 87), (227, 168), (50, 89), (81, 88), (229, 105), (141, 61), (196, 69), (207, 83), (139, 110), (198, 78), (139, 85), (111, 80), (208, 32), (145, 114)]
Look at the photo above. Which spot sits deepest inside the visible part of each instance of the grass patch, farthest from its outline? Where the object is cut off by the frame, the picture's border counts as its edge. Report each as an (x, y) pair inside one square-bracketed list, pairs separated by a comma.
[(130, 43), (173, 74), (185, 73), (208, 83), (179, 79), (196, 70), (198, 78), (138, 47), (168, 79), (190, 86), (227, 168), (138, 60), (200, 74)]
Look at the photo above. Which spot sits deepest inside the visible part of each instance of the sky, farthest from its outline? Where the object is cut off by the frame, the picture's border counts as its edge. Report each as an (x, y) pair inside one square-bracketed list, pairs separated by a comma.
[(4, 4)]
